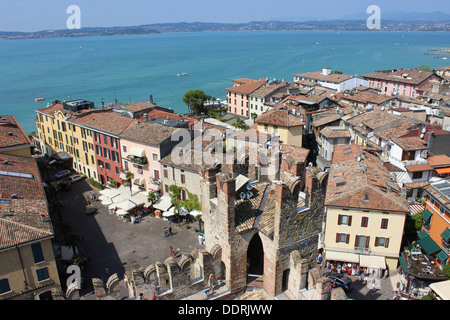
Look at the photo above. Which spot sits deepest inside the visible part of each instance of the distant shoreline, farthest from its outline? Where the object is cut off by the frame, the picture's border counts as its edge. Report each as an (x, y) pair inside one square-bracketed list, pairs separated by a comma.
[(335, 25)]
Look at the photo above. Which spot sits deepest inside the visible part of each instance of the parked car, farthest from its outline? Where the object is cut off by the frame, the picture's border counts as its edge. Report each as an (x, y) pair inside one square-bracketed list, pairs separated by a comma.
[(64, 185), (62, 174), (340, 280), (76, 177)]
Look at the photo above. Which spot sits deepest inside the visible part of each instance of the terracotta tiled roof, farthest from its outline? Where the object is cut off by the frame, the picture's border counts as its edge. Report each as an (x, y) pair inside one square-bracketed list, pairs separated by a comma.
[(282, 118), (294, 154), (440, 160), (336, 78), (156, 114), (419, 167), (367, 97), (110, 122), (247, 88), (409, 76), (326, 119), (11, 133), (335, 132), (147, 133), (396, 131), (268, 89), (25, 217), (374, 119), (437, 195), (410, 143), (364, 184), (138, 106)]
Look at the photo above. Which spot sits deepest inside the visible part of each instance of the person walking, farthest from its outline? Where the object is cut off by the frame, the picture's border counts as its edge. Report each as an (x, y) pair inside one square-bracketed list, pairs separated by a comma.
[(170, 231)]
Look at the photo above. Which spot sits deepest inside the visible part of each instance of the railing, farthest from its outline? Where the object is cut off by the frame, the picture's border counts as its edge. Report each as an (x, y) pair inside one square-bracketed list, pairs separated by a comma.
[(361, 250), (445, 247), (137, 160)]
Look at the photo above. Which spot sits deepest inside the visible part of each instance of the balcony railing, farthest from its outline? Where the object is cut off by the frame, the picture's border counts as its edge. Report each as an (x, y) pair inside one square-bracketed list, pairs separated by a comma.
[(137, 160), (362, 250)]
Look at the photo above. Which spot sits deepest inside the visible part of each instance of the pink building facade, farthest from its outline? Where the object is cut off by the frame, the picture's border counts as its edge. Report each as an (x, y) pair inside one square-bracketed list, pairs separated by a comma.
[(238, 95), (399, 82)]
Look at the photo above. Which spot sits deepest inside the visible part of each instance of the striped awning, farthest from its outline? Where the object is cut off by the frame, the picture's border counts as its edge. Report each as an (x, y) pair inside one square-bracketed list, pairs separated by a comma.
[(414, 208)]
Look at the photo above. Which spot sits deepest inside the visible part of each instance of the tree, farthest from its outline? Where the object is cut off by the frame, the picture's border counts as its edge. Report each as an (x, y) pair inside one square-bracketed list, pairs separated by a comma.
[(191, 204), (240, 124), (152, 197), (195, 100), (129, 176), (423, 68), (254, 116)]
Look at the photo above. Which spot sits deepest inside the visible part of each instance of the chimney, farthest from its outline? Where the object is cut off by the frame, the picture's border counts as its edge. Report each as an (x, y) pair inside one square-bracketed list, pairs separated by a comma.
[(151, 98), (326, 71)]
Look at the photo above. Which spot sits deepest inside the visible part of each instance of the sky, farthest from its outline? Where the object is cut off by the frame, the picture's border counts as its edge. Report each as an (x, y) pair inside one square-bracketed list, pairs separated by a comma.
[(35, 15)]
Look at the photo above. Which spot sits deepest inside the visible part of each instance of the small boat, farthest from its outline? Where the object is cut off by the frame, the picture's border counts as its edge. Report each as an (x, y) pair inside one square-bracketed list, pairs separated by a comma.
[(182, 74), (39, 99)]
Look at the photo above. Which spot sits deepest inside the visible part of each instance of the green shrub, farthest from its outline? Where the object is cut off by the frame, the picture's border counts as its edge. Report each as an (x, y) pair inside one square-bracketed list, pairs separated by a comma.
[(95, 184)]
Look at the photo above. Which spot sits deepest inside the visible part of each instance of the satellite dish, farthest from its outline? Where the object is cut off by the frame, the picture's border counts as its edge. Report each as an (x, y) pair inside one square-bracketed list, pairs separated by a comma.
[(249, 194), (249, 187), (421, 136), (242, 195), (424, 130)]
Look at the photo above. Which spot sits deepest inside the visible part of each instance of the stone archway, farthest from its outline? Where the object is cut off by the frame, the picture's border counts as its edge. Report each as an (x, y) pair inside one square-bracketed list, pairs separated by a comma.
[(255, 256)]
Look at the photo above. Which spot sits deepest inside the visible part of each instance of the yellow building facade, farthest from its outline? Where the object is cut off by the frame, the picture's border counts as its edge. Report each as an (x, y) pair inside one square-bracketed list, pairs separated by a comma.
[(24, 276), (58, 134), (368, 236)]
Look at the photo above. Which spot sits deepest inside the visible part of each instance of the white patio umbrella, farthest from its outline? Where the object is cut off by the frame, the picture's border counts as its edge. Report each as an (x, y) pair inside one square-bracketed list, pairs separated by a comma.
[(108, 192), (121, 212), (195, 213), (103, 198), (127, 205), (169, 212), (106, 202)]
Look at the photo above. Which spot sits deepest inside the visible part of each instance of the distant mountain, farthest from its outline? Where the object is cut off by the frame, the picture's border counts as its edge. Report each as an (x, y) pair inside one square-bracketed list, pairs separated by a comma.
[(403, 16), (349, 24)]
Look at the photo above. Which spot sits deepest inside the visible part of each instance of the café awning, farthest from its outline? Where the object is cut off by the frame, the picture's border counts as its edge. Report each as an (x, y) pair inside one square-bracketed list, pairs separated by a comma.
[(442, 289), (442, 170), (341, 256), (164, 203), (372, 261), (137, 152)]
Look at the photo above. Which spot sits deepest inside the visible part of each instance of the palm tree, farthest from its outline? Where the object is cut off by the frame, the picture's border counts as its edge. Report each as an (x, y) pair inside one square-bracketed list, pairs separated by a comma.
[(129, 176), (152, 197)]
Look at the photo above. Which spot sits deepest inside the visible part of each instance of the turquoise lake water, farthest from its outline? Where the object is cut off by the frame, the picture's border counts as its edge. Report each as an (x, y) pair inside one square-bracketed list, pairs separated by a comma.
[(132, 67)]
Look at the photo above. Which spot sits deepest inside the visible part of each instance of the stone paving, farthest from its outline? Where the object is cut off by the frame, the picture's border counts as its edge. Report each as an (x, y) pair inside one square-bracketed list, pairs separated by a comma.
[(114, 246)]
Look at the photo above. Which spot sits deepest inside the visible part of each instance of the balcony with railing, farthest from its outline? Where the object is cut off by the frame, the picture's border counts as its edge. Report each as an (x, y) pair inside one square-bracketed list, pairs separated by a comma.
[(141, 161)]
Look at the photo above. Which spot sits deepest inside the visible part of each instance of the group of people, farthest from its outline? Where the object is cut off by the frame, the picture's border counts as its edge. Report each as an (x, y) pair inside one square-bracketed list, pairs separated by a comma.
[(344, 268), (167, 232)]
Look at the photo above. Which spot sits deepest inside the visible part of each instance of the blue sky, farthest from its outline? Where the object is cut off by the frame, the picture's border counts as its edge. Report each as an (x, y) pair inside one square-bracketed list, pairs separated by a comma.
[(34, 15)]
